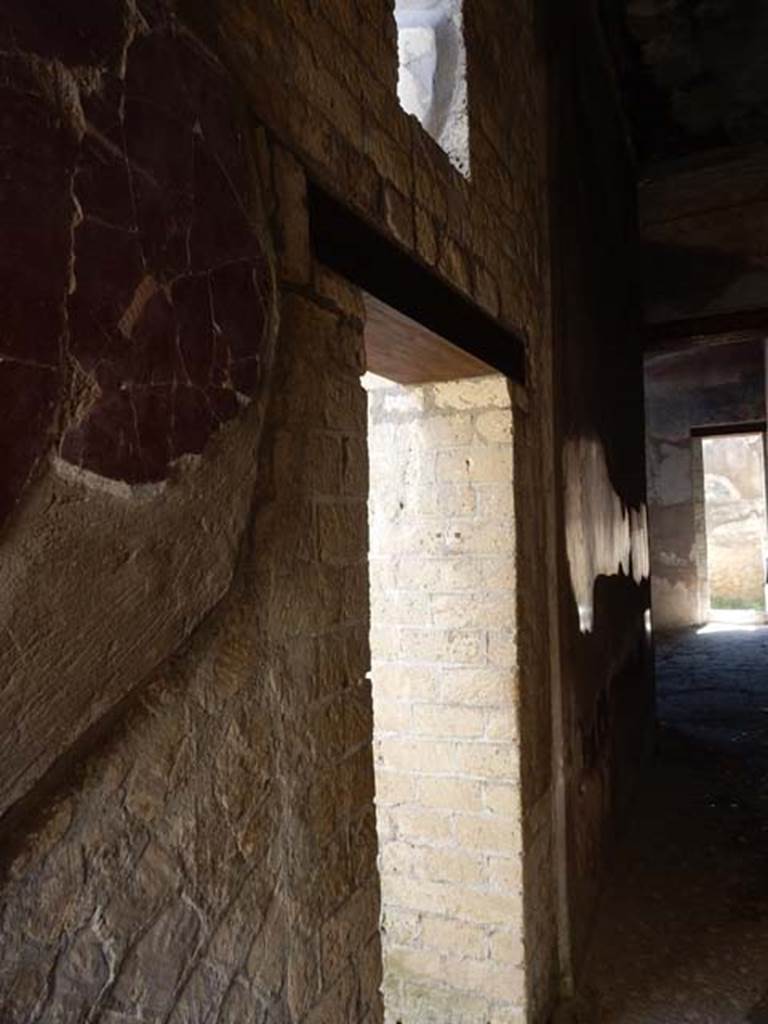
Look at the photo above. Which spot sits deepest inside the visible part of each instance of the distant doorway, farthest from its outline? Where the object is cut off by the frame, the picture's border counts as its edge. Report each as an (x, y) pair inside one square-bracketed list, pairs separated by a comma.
[(734, 524)]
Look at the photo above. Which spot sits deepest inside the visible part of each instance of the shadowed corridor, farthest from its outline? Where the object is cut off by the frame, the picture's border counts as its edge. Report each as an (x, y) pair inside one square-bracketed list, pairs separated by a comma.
[(682, 932)]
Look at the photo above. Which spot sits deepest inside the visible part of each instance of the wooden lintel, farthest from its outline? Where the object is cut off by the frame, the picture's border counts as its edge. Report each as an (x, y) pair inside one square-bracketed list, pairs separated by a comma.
[(405, 351), (357, 250)]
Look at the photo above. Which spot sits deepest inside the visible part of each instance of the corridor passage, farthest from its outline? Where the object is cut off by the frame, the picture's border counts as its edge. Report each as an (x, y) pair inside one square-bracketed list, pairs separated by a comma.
[(682, 933)]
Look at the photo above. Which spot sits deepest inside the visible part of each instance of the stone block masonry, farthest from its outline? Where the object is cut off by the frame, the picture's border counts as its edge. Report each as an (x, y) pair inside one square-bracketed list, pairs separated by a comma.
[(210, 853), (444, 682), (189, 835)]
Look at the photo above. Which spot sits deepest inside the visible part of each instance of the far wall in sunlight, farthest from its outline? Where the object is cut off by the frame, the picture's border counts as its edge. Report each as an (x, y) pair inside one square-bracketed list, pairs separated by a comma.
[(735, 521), (690, 389)]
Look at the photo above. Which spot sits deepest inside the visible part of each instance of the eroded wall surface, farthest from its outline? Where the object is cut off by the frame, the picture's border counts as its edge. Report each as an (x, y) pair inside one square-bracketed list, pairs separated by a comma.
[(138, 310), (445, 688), (188, 829), (211, 854), (694, 387)]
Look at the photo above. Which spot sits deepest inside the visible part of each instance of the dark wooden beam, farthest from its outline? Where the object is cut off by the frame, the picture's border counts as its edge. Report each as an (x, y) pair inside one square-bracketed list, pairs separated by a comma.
[(355, 249), (747, 325), (726, 429)]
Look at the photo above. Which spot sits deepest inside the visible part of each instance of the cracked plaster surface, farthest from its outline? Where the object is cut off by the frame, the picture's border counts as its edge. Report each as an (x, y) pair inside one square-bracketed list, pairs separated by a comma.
[(137, 324), (137, 295)]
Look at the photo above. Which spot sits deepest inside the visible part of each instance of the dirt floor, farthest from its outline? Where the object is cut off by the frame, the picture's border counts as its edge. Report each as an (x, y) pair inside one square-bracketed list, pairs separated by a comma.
[(682, 933)]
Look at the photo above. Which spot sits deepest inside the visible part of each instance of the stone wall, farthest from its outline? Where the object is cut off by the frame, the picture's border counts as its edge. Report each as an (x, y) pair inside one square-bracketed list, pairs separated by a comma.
[(207, 850), (694, 387), (139, 311), (187, 776), (445, 682)]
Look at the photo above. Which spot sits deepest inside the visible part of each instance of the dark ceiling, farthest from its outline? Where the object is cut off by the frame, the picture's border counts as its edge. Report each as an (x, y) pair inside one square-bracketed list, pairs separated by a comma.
[(694, 72)]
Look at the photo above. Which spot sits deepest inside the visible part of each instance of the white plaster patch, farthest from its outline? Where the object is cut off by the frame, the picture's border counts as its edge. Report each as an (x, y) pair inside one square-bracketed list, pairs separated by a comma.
[(603, 536), (116, 488)]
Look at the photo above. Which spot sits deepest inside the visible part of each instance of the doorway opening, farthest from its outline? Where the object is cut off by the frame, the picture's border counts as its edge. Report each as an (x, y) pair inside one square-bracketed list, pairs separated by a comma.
[(734, 523), (444, 682)]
